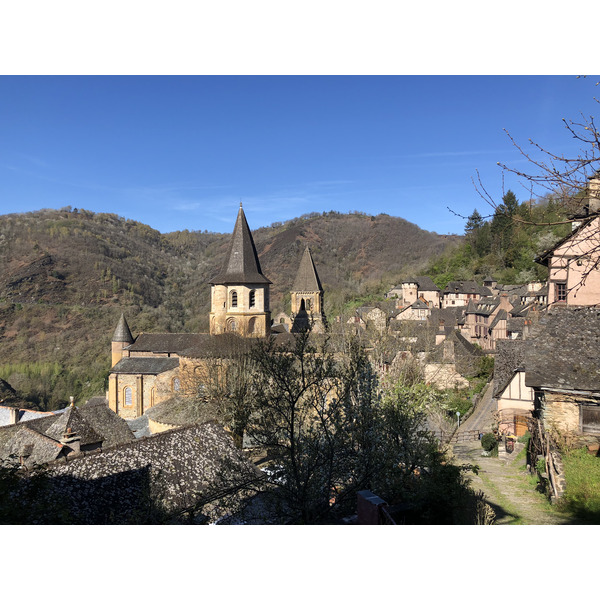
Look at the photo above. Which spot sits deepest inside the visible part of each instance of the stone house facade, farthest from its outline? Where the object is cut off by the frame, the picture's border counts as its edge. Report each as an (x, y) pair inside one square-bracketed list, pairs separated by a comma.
[(562, 365)]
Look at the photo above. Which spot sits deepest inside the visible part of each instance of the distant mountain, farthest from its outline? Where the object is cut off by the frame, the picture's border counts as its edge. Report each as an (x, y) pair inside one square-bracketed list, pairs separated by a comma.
[(66, 275)]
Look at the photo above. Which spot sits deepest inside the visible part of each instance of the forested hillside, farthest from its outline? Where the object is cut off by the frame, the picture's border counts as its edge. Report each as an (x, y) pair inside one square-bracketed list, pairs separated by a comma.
[(66, 275), (505, 245)]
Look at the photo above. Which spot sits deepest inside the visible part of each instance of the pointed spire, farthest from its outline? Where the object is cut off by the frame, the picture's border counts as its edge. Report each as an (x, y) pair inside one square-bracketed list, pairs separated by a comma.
[(122, 332), (307, 279), (242, 265)]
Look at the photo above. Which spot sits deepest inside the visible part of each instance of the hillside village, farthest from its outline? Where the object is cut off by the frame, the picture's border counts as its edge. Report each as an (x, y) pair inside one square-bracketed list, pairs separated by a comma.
[(159, 427)]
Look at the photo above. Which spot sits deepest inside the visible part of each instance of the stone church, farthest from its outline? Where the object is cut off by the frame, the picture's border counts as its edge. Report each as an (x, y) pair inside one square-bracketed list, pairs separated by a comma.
[(152, 367)]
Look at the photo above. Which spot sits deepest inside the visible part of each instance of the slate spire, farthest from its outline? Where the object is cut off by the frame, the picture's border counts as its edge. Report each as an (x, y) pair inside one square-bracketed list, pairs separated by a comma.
[(242, 264), (307, 279), (122, 332)]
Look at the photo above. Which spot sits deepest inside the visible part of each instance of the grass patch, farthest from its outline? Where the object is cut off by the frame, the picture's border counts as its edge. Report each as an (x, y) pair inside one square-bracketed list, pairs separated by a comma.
[(582, 496)]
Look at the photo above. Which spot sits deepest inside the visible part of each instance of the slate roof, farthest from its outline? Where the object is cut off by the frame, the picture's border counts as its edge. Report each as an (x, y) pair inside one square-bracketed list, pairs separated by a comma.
[(509, 358), (99, 419), (307, 278), (35, 447), (168, 471), (501, 316), (426, 284), (72, 419), (562, 352), (183, 411), (166, 343), (466, 287), (452, 316), (242, 264), (122, 332), (145, 365)]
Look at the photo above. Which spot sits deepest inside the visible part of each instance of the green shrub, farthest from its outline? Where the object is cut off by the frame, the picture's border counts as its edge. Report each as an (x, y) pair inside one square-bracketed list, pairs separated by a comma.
[(488, 441)]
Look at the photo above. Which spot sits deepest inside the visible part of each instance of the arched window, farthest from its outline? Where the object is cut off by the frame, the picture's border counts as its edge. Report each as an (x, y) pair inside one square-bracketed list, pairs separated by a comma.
[(128, 396), (251, 325), (233, 297), (252, 298), (308, 304), (231, 325), (175, 384)]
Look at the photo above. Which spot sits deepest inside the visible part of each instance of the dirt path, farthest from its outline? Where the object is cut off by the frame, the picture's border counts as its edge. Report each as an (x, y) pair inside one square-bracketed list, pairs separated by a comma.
[(508, 488)]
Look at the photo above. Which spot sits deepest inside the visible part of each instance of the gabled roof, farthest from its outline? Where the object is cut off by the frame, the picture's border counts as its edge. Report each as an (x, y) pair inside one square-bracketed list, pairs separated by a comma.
[(145, 365), (122, 332), (562, 352), (171, 470), (72, 419), (466, 287), (307, 279), (543, 257), (501, 316), (166, 343), (242, 264), (419, 304), (510, 358), (35, 447), (99, 418)]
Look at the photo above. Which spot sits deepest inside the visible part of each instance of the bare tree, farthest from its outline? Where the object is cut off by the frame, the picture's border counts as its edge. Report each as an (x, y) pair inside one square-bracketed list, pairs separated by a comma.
[(565, 178)]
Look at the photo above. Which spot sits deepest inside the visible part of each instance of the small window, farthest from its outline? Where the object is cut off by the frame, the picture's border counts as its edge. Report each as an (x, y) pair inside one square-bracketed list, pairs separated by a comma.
[(308, 304), (561, 292), (234, 299), (128, 396), (175, 384), (590, 419), (252, 300)]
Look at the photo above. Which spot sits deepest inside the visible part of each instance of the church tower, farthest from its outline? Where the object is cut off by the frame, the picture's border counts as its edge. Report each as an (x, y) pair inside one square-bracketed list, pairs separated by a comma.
[(307, 297), (239, 296), (121, 338)]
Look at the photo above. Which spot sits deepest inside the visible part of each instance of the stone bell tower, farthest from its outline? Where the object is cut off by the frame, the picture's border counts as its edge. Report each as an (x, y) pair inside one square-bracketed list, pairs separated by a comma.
[(307, 297), (239, 296)]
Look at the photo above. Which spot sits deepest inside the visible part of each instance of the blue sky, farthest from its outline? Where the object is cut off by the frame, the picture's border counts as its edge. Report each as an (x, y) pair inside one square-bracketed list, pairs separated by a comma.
[(182, 152)]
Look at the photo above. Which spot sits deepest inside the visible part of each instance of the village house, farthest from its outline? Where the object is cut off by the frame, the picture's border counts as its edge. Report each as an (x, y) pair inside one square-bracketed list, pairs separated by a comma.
[(573, 273), (458, 293), (562, 366), (514, 398), (486, 320), (411, 290), (73, 431)]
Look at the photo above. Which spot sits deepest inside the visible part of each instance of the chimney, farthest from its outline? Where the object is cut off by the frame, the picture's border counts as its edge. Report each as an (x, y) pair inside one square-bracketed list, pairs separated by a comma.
[(71, 440), (13, 416), (440, 336)]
